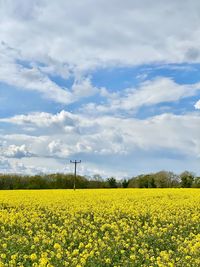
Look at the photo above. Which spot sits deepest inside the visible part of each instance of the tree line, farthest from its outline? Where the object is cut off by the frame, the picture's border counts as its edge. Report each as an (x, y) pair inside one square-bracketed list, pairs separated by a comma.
[(162, 179)]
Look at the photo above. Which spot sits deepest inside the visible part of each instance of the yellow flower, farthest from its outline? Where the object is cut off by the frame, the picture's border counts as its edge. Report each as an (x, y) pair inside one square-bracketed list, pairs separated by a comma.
[(101, 227), (4, 245), (59, 255), (3, 256), (57, 246), (33, 257), (107, 260), (132, 257)]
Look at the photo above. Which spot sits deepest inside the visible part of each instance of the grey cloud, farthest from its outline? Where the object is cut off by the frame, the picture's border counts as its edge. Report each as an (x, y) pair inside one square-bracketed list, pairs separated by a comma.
[(192, 54), (87, 34), (71, 38)]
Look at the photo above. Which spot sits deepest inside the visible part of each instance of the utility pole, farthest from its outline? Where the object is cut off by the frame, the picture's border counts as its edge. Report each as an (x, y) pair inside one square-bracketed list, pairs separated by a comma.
[(75, 162)]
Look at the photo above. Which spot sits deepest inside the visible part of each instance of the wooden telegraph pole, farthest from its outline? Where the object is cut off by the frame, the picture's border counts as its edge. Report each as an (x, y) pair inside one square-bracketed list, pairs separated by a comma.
[(75, 162)]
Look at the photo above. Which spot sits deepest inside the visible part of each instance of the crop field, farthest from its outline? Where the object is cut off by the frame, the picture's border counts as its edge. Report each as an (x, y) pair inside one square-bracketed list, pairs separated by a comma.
[(116, 227)]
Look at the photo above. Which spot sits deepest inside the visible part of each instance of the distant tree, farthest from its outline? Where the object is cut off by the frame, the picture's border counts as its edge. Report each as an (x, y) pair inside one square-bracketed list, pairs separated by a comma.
[(151, 182), (96, 181), (125, 183), (97, 177), (112, 182), (162, 179), (196, 182), (187, 179), (174, 180), (144, 181), (132, 182), (140, 181)]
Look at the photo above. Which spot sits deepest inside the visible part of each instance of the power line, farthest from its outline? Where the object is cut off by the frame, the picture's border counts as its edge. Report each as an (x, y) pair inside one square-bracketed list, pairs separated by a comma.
[(75, 162)]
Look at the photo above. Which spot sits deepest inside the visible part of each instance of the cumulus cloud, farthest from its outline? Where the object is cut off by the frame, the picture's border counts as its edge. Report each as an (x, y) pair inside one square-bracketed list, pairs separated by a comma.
[(14, 151), (107, 138), (55, 146), (58, 148), (112, 134), (43, 119)]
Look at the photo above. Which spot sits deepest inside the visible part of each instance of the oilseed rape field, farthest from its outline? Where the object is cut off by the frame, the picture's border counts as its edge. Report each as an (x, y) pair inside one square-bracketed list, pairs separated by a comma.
[(100, 227)]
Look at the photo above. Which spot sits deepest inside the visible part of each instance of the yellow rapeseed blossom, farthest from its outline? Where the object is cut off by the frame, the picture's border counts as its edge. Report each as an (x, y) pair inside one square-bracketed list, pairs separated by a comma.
[(33, 257), (116, 227)]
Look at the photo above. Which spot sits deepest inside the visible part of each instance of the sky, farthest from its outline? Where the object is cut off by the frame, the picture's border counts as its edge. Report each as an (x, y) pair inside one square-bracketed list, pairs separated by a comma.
[(114, 83)]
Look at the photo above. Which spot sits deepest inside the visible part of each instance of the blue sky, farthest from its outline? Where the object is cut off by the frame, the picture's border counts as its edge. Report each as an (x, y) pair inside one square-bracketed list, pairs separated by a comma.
[(115, 84)]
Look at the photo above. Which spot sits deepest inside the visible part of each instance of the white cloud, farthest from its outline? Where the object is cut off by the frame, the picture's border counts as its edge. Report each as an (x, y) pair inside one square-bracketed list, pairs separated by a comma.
[(111, 135), (67, 38), (43, 119), (35, 78), (151, 92), (14, 151), (88, 34), (197, 105), (55, 146), (31, 78), (84, 88), (157, 91), (110, 143)]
